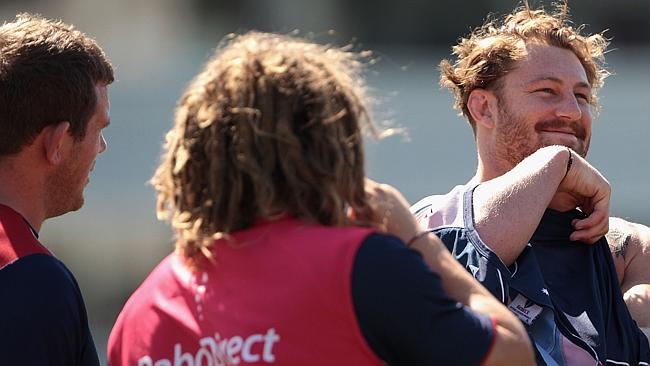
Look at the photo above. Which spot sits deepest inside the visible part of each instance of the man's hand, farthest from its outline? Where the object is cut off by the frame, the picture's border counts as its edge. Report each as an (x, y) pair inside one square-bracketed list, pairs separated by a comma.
[(390, 211), (584, 187)]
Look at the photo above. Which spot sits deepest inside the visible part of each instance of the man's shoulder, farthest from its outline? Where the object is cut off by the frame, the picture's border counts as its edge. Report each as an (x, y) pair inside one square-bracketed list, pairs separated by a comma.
[(164, 288), (438, 211), (17, 240), (39, 294), (624, 235), (45, 320), (37, 276), (170, 275)]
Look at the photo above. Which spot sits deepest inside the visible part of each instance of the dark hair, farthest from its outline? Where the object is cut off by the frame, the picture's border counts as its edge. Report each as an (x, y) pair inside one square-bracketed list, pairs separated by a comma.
[(48, 74)]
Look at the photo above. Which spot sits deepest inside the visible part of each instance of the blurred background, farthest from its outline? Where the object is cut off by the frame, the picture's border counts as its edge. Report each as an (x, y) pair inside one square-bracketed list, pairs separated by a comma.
[(157, 46)]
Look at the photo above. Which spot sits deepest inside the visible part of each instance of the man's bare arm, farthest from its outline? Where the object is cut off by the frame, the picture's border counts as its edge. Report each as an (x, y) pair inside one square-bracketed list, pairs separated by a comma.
[(508, 209), (630, 246), (391, 212), (511, 346)]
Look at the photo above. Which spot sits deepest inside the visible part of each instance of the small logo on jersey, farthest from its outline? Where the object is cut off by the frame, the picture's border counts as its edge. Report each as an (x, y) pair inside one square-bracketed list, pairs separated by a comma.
[(528, 304), (526, 310)]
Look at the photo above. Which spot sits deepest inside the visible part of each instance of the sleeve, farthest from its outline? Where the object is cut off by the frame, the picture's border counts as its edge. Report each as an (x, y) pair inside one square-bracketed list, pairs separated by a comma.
[(478, 259), (44, 317), (404, 314)]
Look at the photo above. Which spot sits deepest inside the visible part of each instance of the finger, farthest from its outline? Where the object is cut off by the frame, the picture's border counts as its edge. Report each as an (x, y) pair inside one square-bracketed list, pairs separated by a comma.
[(590, 221), (370, 182), (594, 225), (591, 234), (585, 236), (351, 214), (598, 217), (591, 227)]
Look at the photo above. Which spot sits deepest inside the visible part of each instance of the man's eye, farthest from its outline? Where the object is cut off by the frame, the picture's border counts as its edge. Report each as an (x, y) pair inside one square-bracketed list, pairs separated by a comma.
[(545, 90), (583, 97)]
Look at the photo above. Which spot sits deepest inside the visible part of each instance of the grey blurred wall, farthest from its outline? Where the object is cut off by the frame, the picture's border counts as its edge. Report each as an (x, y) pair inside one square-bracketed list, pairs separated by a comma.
[(158, 45)]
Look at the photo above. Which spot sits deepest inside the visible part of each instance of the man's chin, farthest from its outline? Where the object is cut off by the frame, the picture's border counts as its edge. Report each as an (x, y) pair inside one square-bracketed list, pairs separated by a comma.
[(70, 207), (78, 204)]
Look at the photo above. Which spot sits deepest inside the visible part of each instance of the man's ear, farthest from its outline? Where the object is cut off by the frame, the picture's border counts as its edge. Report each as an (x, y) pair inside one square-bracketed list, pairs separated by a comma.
[(55, 141), (482, 105)]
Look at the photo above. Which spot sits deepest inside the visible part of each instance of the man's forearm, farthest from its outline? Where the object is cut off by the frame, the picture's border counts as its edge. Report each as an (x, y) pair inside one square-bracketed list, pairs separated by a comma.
[(512, 345), (507, 209)]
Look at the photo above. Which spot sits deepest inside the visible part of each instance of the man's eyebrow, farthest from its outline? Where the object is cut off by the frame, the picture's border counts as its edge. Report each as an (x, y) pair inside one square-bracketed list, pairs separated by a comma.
[(580, 84)]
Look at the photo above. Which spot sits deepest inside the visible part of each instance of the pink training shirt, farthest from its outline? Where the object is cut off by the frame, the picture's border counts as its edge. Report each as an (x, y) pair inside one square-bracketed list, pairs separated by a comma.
[(280, 293)]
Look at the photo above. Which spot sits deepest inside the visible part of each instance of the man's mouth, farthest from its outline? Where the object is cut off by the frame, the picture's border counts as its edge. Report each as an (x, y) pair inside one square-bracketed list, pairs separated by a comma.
[(567, 131), (561, 137), (561, 129)]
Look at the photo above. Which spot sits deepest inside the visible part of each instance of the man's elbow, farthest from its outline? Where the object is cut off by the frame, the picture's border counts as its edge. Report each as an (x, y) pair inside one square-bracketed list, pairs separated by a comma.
[(637, 299), (527, 355), (524, 350), (512, 347)]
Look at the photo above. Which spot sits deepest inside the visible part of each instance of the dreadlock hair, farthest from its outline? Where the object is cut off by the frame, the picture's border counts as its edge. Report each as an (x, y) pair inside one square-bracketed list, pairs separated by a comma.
[(271, 125)]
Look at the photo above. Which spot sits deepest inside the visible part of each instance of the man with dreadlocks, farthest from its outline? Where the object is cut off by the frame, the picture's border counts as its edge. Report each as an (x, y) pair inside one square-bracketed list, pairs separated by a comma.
[(527, 84), (282, 252)]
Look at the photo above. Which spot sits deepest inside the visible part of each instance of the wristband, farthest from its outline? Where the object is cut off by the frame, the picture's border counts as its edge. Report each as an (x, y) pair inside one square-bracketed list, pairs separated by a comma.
[(569, 162), (416, 237)]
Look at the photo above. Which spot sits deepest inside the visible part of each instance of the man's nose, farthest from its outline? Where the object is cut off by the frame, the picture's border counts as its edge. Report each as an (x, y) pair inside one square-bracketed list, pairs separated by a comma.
[(102, 143), (569, 108)]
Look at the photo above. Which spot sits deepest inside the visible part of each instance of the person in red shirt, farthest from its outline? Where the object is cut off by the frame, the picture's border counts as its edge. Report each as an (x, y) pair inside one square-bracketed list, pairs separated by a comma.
[(285, 253), (53, 108)]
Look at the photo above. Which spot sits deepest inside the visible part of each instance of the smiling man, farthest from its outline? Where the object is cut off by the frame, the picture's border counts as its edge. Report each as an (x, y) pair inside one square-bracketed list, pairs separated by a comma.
[(530, 223), (53, 108)]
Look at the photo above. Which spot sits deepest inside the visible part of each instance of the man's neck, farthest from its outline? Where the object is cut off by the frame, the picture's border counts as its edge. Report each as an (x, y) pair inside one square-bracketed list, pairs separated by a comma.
[(485, 172), (28, 213), (488, 166), (22, 194)]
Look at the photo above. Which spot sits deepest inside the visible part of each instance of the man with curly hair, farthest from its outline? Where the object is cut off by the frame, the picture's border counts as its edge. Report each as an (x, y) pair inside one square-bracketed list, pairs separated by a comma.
[(527, 83), (53, 108), (282, 248)]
